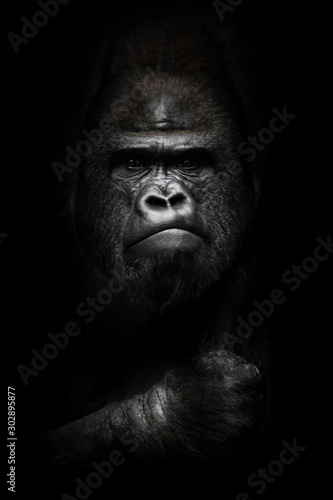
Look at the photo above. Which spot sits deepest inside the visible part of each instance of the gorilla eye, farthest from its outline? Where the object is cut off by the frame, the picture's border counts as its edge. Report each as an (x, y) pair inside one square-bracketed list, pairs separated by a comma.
[(189, 165), (134, 164)]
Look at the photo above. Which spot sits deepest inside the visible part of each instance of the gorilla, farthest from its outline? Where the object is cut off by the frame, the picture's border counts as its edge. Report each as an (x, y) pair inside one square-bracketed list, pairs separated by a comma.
[(165, 201)]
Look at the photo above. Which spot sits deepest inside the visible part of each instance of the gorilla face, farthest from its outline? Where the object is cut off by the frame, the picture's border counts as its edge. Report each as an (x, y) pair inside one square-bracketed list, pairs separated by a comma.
[(157, 199)]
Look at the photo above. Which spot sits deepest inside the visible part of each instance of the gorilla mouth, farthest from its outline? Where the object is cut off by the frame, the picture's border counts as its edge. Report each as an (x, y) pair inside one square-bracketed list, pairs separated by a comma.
[(166, 239)]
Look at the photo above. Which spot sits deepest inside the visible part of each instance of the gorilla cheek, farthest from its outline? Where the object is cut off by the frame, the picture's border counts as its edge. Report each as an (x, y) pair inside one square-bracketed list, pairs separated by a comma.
[(99, 232)]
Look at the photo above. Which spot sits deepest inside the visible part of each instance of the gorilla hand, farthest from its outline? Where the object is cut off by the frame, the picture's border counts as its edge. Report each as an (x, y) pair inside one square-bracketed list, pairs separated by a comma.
[(203, 412)]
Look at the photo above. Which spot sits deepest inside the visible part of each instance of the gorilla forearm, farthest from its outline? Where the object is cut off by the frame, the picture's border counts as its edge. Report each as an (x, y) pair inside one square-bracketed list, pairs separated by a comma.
[(203, 412)]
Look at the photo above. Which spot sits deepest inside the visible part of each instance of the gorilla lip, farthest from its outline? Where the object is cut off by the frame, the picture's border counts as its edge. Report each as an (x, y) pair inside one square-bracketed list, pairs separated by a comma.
[(167, 238), (178, 227)]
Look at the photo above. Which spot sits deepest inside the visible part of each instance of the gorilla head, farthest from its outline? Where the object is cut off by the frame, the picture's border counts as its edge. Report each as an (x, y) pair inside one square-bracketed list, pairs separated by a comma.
[(159, 198)]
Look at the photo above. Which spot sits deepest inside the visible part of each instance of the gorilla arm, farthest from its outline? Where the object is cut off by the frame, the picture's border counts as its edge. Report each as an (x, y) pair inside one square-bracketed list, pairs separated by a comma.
[(204, 412)]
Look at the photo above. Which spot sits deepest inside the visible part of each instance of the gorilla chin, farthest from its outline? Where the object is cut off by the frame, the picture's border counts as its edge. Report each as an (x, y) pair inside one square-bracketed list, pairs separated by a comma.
[(171, 274)]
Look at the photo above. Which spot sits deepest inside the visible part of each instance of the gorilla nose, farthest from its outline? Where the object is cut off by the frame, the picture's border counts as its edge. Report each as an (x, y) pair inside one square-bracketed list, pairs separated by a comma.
[(158, 202), (158, 210)]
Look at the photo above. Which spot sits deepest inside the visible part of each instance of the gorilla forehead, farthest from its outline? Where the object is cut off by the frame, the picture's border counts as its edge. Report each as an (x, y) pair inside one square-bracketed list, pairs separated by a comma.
[(164, 112), (163, 141), (166, 105), (165, 77)]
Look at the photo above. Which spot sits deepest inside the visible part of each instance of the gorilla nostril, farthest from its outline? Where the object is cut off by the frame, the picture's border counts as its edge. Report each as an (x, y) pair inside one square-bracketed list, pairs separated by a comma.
[(177, 199), (157, 201)]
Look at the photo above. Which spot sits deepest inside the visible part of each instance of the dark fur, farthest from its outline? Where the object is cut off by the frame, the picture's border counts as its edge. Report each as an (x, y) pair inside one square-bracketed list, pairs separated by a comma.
[(190, 399)]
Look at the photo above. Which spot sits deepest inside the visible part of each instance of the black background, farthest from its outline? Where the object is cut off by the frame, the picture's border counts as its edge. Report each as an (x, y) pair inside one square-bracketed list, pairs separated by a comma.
[(283, 54)]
